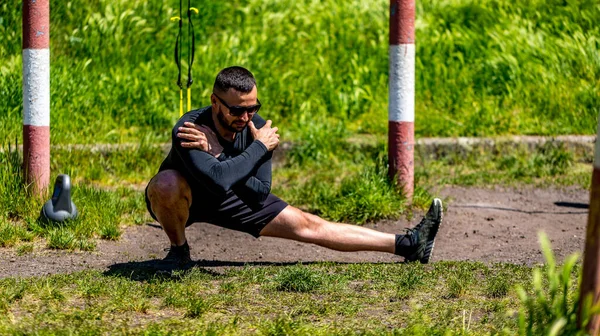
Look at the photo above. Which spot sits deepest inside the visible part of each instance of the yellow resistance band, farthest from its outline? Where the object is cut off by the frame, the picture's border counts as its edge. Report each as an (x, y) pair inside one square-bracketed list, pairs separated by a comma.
[(189, 96), (180, 103)]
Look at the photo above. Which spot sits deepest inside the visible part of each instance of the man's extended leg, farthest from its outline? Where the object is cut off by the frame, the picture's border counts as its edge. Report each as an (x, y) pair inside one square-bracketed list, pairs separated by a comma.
[(417, 244), (170, 198), (293, 223)]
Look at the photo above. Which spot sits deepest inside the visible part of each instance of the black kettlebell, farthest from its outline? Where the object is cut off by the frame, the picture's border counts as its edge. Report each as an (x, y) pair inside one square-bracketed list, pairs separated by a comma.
[(60, 207)]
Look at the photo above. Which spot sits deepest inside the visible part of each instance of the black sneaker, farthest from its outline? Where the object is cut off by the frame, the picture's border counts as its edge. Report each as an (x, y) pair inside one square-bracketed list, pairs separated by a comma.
[(423, 234), (178, 255)]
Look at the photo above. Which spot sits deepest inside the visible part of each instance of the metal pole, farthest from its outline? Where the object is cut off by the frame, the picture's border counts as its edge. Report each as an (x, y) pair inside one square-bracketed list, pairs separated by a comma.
[(590, 284), (401, 110), (36, 94)]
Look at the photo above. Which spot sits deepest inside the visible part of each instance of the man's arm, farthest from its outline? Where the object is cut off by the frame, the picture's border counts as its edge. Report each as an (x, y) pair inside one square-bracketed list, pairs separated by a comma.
[(218, 176), (255, 189)]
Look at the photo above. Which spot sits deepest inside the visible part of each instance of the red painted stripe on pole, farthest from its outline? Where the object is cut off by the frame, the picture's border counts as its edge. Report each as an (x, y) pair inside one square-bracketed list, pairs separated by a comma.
[(36, 24), (401, 148), (591, 272), (36, 155), (402, 22)]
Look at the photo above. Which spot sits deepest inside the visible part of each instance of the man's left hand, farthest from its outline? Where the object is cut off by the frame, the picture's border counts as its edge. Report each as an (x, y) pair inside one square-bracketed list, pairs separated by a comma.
[(200, 137)]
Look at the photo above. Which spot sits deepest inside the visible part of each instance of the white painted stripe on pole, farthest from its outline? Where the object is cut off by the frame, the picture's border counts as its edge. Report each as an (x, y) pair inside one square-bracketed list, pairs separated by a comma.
[(402, 83), (36, 87), (597, 149)]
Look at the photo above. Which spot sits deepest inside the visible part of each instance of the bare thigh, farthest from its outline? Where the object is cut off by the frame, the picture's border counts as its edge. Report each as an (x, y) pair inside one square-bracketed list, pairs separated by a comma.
[(169, 189)]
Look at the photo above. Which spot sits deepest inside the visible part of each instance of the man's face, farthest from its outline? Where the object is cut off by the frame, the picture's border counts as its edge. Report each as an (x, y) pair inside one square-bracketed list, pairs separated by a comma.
[(233, 98)]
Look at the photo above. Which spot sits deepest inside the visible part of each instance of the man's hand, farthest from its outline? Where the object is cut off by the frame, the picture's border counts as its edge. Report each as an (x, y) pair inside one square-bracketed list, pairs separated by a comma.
[(200, 137), (267, 135)]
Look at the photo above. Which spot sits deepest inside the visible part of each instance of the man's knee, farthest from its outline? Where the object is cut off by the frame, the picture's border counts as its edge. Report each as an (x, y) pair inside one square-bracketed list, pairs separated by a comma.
[(168, 187), (294, 223)]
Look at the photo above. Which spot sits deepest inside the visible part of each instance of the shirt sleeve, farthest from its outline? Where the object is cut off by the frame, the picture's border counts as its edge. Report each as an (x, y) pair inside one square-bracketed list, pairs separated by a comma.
[(256, 188), (218, 176)]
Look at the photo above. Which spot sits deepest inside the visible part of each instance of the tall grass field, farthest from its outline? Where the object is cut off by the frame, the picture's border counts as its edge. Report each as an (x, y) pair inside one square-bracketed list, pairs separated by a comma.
[(485, 67)]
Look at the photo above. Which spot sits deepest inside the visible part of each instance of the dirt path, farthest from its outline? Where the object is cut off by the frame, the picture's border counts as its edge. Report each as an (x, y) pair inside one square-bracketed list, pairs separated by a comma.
[(486, 225)]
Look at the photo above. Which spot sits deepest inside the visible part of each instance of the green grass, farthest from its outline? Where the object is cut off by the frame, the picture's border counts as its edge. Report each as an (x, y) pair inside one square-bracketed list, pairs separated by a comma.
[(552, 164), (101, 212), (314, 299), (483, 67)]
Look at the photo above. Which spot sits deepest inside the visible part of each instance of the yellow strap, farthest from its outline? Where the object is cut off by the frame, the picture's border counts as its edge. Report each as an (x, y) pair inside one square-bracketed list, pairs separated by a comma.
[(194, 9), (180, 103), (175, 18), (189, 105)]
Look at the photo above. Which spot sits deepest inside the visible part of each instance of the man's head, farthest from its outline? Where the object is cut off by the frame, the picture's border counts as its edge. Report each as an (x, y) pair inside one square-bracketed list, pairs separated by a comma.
[(234, 98)]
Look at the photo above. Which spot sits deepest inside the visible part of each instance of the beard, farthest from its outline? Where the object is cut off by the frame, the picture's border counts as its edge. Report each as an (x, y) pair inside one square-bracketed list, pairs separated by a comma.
[(224, 124)]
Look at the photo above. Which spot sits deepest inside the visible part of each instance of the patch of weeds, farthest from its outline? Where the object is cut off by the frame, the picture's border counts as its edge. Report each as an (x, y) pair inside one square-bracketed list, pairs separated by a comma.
[(311, 308), (298, 279), (227, 287), (138, 305), (459, 280), (110, 232), (282, 325), (61, 239), (355, 192), (11, 292), (196, 307), (457, 287), (552, 307), (91, 289), (505, 164), (84, 244), (497, 286), (24, 248), (409, 279), (174, 299), (12, 233), (50, 293)]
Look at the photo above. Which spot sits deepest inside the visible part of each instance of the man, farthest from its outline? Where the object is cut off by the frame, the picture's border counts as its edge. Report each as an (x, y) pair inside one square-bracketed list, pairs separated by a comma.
[(219, 171)]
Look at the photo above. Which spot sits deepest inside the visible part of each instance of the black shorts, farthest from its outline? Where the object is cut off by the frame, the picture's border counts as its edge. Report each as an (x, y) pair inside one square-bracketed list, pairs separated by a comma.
[(233, 213)]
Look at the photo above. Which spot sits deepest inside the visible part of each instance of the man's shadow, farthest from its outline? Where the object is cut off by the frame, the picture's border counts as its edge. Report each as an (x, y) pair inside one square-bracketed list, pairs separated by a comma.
[(150, 269), (157, 268)]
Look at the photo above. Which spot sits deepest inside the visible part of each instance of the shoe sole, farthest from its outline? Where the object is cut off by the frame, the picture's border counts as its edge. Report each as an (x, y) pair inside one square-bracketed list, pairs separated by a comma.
[(437, 201)]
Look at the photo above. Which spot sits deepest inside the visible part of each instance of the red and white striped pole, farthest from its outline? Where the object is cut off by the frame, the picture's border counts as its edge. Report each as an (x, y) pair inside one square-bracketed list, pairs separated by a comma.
[(590, 283), (401, 110), (36, 93)]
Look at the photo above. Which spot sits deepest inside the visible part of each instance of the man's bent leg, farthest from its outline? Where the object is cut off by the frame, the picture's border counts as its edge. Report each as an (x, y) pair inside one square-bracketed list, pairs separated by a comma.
[(170, 199), (293, 223)]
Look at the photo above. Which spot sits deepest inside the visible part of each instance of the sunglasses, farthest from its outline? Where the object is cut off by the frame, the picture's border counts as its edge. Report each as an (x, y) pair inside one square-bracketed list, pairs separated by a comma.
[(237, 111)]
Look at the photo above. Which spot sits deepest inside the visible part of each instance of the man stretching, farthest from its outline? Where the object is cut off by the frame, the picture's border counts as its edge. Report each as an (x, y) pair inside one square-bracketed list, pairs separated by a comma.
[(219, 171)]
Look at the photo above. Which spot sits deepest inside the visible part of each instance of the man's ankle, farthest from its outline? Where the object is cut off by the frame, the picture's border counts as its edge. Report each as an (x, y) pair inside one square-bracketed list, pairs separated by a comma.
[(179, 245), (404, 245)]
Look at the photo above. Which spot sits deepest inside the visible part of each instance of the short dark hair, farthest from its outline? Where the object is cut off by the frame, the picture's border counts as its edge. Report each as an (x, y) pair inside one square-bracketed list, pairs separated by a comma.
[(235, 77)]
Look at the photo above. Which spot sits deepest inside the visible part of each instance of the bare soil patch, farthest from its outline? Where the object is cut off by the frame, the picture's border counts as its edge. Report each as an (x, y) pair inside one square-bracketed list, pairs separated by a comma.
[(488, 225)]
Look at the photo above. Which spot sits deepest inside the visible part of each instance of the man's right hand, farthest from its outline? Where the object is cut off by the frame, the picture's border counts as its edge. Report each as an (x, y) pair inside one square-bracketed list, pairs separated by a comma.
[(267, 135)]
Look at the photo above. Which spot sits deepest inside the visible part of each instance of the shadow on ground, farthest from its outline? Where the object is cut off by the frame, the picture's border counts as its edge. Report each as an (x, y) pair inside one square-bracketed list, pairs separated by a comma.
[(149, 269)]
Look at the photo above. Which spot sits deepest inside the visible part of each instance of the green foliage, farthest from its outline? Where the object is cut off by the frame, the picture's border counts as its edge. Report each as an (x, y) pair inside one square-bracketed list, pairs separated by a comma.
[(343, 182), (24, 248), (299, 279), (283, 326), (552, 307), (483, 67), (100, 211), (411, 277), (112, 168), (549, 164), (497, 286), (11, 233), (196, 307)]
